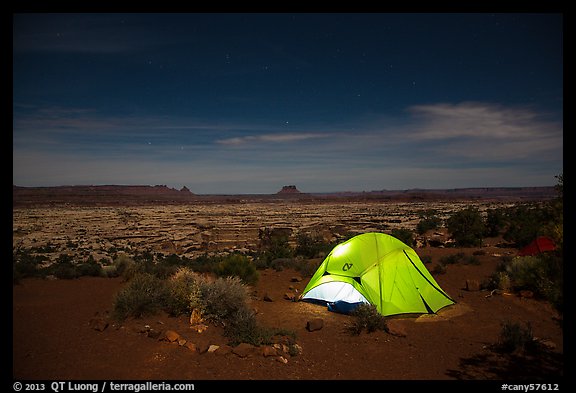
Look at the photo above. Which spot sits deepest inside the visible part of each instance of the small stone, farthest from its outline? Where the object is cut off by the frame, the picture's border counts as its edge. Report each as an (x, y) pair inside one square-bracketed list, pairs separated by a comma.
[(472, 285), (213, 348), (268, 350), (171, 336), (315, 324)]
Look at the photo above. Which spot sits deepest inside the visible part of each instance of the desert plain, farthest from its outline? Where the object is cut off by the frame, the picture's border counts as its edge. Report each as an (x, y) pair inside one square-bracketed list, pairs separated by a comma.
[(54, 337)]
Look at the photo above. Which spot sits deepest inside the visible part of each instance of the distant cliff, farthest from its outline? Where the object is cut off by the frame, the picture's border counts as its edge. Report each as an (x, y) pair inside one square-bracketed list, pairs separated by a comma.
[(98, 195), (289, 190)]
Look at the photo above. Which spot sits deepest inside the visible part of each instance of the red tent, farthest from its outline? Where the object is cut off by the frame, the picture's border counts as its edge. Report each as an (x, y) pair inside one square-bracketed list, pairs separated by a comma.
[(538, 245)]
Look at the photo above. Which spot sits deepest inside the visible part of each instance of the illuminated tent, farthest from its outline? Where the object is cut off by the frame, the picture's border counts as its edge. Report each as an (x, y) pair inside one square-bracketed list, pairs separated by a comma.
[(379, 269), (537, 246)]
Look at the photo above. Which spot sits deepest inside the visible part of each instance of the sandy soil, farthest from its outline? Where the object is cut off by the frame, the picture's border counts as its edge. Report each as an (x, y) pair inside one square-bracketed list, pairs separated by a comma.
[(52, 338)]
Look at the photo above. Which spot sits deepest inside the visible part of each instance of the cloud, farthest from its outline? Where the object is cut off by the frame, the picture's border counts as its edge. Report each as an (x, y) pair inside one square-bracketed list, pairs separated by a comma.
[(269, 138), (484, 131)]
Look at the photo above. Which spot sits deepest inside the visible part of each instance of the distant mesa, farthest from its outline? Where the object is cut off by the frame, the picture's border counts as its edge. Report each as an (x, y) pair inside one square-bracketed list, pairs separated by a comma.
[(185, 189), (289, 190)]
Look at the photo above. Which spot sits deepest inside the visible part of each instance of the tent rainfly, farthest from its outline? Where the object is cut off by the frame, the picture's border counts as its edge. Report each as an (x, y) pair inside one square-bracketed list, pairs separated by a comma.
[(537, 246), (378, 269)]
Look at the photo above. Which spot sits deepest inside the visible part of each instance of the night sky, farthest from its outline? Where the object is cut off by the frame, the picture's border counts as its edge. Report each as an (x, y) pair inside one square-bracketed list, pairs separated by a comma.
[(247, 103)]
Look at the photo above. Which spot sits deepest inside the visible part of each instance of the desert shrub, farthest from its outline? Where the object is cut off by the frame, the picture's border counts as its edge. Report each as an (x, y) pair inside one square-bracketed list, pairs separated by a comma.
[(366, 317), (123, 266), (90, 268), (471, 260), (223, 297), (145, 294), (440, 268), (466, 227), (452, 258), (516, 338), (404, 235), (460, 257), (311, 246), (64, 268), (498, 280), (307, 267), (26, 264), (426, 259), (527, 221), (428, 223), (273, 248), (542, 274), (205, 263), (238, 265), (183, 292), (495, 222), (241, 326)]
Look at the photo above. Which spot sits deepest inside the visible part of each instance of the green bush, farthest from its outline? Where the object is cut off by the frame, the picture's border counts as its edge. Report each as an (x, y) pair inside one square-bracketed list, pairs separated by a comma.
[(428, 223), (495, 222), (525, 223), (426, 259), (452, 258), (440, 268), (145, 294), (238, 265), (404, 235), (516, 338), (311, 246), (366, 317), (64, 268), (26, 264), (466, 227)]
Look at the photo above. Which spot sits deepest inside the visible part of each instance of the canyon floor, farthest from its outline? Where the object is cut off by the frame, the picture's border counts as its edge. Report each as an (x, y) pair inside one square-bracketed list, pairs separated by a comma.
[(53, 338)]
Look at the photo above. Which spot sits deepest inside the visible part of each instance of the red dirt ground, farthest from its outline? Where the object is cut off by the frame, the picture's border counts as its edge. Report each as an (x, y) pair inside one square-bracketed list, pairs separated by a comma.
[(52, 339)]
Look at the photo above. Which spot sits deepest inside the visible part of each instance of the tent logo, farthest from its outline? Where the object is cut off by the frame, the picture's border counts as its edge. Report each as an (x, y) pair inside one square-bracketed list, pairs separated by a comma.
[(347, 266)]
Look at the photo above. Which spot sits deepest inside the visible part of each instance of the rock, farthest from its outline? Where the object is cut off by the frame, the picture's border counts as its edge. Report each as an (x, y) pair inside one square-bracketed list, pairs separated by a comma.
[(98, 323), (267, 298), (315, 324), (153, 333), (282, 359), (202, 348), (296, 350), (243, 349), (296, 279), (396, 328), (170, 336), (290, 296), (191, 346), (548, 344), (212, 348), (182, 341), (199, 328), (526, 294), (223, 350), (472, 285), (268, 350)]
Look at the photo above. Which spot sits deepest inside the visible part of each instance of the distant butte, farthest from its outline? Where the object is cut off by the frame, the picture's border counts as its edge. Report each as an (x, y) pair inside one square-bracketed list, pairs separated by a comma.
[(289, 190)]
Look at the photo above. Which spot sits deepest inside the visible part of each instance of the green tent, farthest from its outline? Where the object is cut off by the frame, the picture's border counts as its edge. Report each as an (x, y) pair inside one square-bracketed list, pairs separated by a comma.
[(379, 269)]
